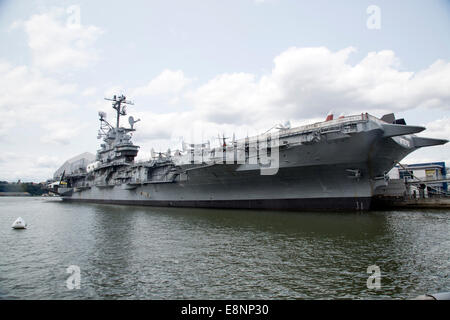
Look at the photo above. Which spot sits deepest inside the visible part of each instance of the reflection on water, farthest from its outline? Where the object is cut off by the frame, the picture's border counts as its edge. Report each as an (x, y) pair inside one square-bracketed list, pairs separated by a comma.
[(166, 253)]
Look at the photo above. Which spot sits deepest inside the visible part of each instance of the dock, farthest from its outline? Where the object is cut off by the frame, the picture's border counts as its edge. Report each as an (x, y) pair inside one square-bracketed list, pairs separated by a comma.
[(412, 194), (411, 203)]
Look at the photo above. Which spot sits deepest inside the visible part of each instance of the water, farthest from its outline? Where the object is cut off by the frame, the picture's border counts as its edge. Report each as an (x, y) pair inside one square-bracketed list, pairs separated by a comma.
[(166, 253)]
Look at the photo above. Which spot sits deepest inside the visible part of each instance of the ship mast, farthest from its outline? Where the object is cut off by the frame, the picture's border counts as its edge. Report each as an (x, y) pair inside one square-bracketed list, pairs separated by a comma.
[(120, 109)]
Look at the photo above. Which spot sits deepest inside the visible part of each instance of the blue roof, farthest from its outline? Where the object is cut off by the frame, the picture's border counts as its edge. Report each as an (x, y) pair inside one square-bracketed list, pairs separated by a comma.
[(441, 163)]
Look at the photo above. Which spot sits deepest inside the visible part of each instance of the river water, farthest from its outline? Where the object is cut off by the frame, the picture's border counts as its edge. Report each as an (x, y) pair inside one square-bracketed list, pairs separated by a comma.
[(128, 252)]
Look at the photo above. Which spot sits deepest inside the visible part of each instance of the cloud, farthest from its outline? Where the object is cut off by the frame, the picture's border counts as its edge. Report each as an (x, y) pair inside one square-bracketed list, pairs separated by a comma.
[(235, 98), (27, 96), (439, 129), (56, 43), (167, 82), (308, 82), (89, 91), (40, 109), (61, 133), (28, 167), (48, 162), (303, 85)]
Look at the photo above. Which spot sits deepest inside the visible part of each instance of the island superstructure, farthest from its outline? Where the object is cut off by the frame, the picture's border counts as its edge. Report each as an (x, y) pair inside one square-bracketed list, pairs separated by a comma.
[(335, 164)]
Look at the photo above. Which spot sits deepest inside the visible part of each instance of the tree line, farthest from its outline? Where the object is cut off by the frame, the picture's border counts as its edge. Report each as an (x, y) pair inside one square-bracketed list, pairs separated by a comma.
[(34, 189)]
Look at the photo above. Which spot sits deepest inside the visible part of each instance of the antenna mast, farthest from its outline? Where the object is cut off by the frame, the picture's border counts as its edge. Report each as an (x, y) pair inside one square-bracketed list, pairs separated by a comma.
[(117, 104)]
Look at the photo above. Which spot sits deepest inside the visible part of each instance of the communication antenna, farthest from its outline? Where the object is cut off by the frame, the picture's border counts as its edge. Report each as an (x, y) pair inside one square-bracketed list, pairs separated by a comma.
[(118, 103)]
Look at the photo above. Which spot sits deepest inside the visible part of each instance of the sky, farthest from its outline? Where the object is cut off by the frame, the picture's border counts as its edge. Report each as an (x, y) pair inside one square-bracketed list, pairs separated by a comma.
[(196, 69)]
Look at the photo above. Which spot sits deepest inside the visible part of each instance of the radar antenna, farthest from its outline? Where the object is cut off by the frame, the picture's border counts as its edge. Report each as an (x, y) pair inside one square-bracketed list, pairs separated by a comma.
[(131, 121), (104, 125)]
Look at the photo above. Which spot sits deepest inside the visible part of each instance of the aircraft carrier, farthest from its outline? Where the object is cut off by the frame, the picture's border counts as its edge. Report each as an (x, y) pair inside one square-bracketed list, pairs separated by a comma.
[(337, 164)]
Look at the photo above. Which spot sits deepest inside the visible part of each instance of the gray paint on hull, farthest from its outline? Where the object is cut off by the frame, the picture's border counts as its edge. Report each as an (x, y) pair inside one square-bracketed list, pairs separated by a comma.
[(354, 204), (223, 182)]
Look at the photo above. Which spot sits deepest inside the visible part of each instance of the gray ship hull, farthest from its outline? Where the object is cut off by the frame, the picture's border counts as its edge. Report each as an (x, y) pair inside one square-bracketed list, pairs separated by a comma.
[(301, 204), (314, 187)]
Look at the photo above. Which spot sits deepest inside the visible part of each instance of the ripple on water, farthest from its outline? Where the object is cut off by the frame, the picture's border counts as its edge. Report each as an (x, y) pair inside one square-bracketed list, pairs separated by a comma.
[(162, 253)]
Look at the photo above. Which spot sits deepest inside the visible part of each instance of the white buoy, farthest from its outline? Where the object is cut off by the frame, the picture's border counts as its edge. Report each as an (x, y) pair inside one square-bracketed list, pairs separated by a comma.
[(19, 224)]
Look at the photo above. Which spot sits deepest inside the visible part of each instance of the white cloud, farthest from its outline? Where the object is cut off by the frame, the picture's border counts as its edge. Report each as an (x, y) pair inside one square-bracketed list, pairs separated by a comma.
[(167, 82), (304, 84), (27, 96), (236, 98), (48, 162), (89, 91), (439, 129), (41, 108), (28, 167), (57, 45), (308, 82), (61, 132)]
